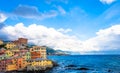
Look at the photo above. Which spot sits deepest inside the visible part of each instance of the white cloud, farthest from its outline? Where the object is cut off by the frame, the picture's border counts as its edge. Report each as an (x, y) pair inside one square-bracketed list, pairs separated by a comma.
[(107, 1), (64, 30), (42, 35), (105, 39), (33, 12), (2, 17), (61, 10)]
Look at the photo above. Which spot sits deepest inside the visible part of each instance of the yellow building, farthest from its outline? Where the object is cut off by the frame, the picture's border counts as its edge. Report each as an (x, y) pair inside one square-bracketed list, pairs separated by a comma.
[(46, 63), (11, 67), (41, 49), (41, 63), (10, 45), (14, 61), (43, 52), (24, 57), (15, 50), (9, 53), (24, 64), (1, 42)]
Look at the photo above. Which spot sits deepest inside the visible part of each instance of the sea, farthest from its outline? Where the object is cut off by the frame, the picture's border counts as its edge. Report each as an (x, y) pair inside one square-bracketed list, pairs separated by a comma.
[(85, 64), (92, 63)]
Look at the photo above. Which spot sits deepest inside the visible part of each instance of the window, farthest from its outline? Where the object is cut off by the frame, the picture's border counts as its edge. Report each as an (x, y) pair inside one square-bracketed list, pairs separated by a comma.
[(20, 66)]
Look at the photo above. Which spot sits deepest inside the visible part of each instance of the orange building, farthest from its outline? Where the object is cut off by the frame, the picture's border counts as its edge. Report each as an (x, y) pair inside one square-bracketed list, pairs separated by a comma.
[(11, 67), (21, 42), (21, 63), (39, 49), (35, 55)]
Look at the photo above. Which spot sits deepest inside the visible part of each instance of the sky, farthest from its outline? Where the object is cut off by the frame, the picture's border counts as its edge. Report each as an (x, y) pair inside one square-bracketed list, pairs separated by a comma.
[(78, 26)]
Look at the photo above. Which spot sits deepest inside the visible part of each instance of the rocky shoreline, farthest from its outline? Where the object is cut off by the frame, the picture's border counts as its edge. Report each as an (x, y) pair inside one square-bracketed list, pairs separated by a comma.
[(35, 69), (75, 67)]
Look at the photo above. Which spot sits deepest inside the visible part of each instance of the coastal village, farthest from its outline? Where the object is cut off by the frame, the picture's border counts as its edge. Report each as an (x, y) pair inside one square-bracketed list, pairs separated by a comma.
[(17, 56)]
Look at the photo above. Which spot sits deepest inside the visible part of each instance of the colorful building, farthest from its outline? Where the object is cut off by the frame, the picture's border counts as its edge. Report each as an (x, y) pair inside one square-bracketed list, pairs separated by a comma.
[(43, 52), (21, 42), (39, 49), (1, 42), (11, 67), (21, 63), (8, 61), (11, 64), (9, 53), (15, 50), (2, 65), (10, 45), (28, 55), (2, 57), (39, 63), (17, 56), (35, 55), (2, 51)]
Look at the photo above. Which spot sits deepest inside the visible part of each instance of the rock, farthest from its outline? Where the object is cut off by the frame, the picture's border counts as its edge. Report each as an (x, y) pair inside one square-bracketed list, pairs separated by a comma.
[(83, 68), (74, 67), (71, 66), (109, 70), (55, 64)]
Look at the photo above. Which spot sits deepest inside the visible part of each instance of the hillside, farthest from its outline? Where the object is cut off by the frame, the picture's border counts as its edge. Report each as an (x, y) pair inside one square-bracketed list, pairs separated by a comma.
[(51, 51)]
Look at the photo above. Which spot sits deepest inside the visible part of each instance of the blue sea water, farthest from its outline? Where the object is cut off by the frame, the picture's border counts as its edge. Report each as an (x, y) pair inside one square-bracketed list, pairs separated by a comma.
[(95, 63)]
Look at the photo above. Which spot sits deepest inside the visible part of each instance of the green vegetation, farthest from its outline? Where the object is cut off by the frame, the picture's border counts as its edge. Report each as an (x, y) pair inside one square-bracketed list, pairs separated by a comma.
[(2, 46)]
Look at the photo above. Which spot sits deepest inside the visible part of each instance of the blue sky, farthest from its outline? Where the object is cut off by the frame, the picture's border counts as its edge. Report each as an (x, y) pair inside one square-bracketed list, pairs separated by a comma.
[(79, 21)]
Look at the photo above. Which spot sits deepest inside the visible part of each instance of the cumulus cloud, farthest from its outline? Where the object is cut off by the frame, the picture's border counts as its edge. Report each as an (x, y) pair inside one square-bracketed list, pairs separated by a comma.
[(3, 17), (107, 1), (105, 41), (33, 12), (41, 35), (64, 30)]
